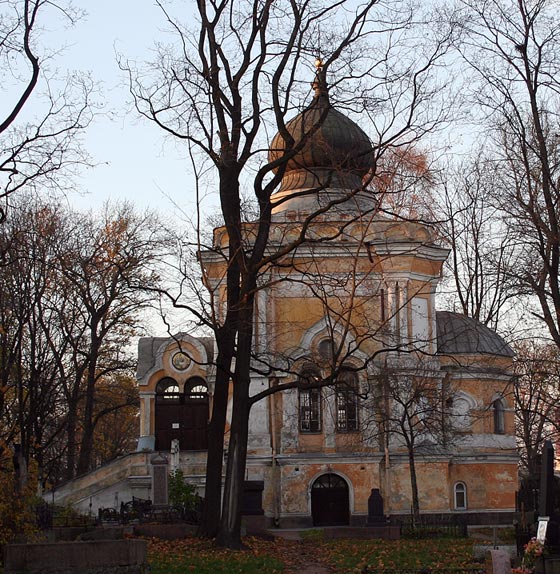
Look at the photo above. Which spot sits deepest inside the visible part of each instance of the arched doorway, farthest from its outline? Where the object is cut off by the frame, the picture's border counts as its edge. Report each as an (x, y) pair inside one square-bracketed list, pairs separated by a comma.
[(196, 414), (330, 505), (168, 413), (181, 416)]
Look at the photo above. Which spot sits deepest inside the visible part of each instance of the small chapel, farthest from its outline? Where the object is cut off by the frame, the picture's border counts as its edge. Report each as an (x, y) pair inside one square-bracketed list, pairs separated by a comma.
[(356, 298)]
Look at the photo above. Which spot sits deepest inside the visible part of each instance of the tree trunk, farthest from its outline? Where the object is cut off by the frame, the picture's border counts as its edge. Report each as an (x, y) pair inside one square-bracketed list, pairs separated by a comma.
[(414, 486), (86, 444), (71, 420), (225, 341), (210, 520), (229, 535)]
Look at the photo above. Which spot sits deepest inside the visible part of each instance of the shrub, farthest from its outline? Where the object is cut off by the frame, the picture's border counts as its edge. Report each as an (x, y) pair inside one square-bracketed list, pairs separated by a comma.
[(181, 494), (17, 505)]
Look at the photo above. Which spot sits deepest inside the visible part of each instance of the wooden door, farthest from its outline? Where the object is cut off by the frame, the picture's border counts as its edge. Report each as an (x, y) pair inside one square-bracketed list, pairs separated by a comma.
[(196, 425), (169, 425), (330, 501)]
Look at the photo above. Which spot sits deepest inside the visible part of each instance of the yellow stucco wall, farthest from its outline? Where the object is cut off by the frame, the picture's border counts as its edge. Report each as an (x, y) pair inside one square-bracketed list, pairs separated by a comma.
[(295, 304)]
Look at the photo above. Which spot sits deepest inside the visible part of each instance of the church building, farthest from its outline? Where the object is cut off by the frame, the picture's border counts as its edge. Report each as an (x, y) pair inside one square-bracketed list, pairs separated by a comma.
[(354, 303)]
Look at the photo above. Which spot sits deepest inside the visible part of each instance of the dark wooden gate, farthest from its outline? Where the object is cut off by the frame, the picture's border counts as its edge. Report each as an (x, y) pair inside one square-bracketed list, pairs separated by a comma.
[(170, 424), (182, 416), (196, 425), (330, 501)]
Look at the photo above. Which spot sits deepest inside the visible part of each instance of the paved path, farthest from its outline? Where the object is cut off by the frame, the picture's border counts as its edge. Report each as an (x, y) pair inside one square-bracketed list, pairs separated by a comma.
[(313, 569), (304, 559)]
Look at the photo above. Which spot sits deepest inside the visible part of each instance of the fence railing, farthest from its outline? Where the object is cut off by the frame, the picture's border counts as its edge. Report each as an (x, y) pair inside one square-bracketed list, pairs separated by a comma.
[(140, 510), (137, 510), (369, 570), (51, 516), (432, 527)]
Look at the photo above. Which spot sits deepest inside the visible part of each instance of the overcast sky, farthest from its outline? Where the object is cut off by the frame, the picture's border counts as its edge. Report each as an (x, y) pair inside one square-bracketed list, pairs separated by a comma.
[(134, 160)]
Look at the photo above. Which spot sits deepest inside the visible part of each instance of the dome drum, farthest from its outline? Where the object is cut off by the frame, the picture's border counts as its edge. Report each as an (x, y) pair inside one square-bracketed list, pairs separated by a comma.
[(319, 178), (332, 150)]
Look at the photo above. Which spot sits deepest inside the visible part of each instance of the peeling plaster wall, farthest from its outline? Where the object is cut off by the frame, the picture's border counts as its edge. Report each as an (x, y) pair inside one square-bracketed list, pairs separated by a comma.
[(375, 269)]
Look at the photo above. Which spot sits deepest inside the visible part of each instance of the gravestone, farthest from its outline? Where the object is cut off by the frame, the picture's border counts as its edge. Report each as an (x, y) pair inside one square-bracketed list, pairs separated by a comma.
[(547, 495), (376, 516), (252, 497), (254, 521), (160, 471), (499, 562)]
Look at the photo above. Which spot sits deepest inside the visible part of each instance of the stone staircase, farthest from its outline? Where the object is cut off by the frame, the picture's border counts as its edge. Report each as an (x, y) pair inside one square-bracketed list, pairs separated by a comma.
[(106, 486)]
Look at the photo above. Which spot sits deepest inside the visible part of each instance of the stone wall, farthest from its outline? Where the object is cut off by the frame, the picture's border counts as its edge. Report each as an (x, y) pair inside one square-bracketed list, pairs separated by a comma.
[(96, 557)]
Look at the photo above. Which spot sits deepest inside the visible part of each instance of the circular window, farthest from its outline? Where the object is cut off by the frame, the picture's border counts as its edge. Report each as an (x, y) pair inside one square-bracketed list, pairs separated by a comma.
[(181, 361)]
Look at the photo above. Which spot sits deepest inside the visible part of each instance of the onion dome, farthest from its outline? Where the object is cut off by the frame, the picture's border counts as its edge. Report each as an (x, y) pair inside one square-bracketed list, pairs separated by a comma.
[(458, 334), (336, 152)]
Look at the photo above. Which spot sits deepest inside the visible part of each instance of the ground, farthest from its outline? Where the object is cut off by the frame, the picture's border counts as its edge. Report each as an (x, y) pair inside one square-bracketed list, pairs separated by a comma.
[(313, 555)]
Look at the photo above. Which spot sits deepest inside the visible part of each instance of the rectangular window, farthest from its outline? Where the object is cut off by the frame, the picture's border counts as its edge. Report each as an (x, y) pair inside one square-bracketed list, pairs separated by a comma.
[(310, 410), (346, 409), (420, 324)]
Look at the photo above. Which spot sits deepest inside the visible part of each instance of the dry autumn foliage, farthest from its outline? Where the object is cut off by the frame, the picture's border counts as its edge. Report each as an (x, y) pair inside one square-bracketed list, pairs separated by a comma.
[(267, 556), (17, 505)]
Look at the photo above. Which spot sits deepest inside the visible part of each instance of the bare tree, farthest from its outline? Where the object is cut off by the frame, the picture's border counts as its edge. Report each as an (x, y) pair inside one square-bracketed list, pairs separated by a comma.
[(37, 151), (483, 249), (116, 417), (105, 266), (71, 295), (29, 374), (412, 412), (404, 184), (224, 92), (513, 48), (537, 369)]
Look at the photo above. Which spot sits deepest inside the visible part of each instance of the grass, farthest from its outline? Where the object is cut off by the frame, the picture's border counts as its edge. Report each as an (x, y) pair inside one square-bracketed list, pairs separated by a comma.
[(355, 555), (286, 557), (201, 557), (504, 535)]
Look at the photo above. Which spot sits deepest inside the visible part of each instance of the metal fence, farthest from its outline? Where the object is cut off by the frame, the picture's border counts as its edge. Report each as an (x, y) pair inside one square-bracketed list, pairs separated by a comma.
[(50, 516), (140, 510), (432, 527), (368, 570)]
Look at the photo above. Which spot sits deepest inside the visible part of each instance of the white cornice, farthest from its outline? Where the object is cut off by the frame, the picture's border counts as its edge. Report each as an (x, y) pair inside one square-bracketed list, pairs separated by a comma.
[(319, 458), (336, 249)]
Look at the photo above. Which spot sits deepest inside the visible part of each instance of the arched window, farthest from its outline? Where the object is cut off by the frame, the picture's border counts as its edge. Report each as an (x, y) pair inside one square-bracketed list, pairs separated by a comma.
[(330, 481), (460, 496), (326, 349), (498, 408), (309, 403), (347, 401), (167, 391), (196, 389)]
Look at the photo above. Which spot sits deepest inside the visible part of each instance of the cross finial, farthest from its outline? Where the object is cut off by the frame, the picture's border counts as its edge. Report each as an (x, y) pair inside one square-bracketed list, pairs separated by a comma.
[(320, 81)]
